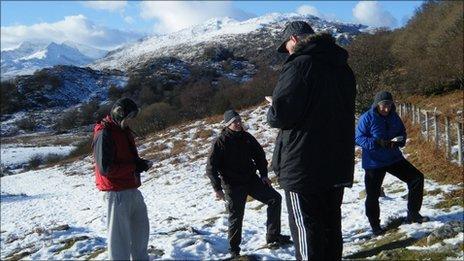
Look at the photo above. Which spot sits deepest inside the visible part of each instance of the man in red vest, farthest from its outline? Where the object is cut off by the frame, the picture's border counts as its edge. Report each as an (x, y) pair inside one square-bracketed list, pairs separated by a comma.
[(117, 173)]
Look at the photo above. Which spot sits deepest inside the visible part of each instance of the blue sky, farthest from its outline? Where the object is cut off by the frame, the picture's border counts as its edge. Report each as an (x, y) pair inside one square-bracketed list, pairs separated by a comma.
[(124, 21)]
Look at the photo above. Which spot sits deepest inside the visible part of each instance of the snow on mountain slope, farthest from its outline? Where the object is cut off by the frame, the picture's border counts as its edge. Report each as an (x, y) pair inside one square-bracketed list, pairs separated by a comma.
[(89, 51), (29, 57), (57, 213), (227, 31)]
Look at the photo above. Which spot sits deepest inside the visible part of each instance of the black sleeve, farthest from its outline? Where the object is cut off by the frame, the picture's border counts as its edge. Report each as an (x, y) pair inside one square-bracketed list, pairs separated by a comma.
[(259, 156), (289, 98), (103, 151), (215, 160)]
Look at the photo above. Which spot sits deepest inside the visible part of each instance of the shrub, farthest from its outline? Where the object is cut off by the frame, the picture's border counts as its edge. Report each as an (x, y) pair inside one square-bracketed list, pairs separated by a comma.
[(155, 117), (35, 161), (11, 99), (87, 114), (83, 148), (27, 124), (195, 99), (53, 158), (114, 93), (68, 121)]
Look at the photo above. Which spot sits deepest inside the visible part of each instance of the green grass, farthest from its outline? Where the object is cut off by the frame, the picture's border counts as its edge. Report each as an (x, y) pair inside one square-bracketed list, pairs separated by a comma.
[(95, 253), (407, 254), (68, 243)]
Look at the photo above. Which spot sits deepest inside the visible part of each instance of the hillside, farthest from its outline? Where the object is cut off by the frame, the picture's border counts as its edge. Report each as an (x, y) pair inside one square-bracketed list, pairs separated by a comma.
[(251, 39), (218, 54), (65, 216)]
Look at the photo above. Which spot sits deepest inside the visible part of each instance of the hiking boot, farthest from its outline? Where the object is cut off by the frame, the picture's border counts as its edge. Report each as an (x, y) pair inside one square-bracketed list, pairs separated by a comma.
[(279, 239), (416, 218), (378, 230)]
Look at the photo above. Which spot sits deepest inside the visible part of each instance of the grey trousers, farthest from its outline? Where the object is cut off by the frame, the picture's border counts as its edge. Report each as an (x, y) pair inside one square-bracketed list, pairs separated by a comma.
[(127, 224)]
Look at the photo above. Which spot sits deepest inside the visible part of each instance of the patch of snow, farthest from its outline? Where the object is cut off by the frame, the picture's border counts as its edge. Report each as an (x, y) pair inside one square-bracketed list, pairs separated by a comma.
[(12, 155)]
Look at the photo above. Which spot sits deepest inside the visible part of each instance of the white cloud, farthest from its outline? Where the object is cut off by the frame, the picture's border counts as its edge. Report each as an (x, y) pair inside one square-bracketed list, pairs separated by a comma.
[(308, 10), (129, 19), (176, 15), (111, 6), (72, 28), (372, 13), (311, 10)]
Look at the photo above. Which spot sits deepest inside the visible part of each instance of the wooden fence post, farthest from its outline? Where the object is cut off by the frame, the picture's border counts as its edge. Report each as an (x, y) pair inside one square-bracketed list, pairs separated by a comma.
[(435, 124), (427, 125), (459, 133), (418, 116), (447, 138)]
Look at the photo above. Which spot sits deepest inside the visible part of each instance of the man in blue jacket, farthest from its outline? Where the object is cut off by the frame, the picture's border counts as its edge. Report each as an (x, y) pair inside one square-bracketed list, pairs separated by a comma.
[(381, 133)]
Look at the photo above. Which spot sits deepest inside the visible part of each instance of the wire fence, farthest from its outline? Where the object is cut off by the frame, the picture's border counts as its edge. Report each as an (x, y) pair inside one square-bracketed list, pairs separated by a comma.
[(445, 131)]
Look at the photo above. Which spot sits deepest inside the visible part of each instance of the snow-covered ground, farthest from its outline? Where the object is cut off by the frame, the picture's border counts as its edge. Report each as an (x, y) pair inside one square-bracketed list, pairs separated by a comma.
[(14, 155), (186, 222)]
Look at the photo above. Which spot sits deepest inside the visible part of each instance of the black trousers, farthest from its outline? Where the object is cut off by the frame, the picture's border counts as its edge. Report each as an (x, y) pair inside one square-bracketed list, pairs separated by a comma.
[(236, 198), (315, 223), (403, 170)]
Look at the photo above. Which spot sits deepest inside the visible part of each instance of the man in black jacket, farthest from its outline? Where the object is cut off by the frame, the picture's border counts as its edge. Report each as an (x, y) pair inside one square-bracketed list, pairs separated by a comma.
[(313, 106), (232, 165)]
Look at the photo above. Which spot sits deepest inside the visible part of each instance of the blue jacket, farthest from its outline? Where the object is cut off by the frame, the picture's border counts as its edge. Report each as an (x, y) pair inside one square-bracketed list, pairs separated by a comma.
[(373, 126)]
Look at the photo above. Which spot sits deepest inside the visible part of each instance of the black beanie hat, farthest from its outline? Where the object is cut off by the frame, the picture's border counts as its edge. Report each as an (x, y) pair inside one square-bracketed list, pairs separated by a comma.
[(126, 107), (230, 116), (382, 96)]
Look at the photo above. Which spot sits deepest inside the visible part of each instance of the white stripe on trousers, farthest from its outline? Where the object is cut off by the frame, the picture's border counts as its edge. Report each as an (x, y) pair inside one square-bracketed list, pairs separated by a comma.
[(298, 216)]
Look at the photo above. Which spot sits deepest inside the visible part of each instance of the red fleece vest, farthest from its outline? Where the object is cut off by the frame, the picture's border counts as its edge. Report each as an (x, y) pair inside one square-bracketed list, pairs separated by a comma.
[(121, 174)]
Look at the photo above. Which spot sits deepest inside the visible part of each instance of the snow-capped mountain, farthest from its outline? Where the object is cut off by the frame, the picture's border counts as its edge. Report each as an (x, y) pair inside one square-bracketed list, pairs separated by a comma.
[(246, 39), (29, 57)]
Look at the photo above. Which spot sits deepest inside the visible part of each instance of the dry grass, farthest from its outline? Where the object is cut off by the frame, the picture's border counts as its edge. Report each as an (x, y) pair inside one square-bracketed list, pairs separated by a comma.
[(453, 198), (214, 119), (427, 159), (178, 147), (447, 103), (154, 150), (203, 134)]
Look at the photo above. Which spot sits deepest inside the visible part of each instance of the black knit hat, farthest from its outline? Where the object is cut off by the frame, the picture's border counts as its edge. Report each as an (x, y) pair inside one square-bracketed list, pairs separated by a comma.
[(382, 96), (122, 108), (230, 116), (294, 28)]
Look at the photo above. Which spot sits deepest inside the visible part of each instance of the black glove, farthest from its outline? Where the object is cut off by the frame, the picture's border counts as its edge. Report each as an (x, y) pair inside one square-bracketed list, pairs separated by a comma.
[(387, 144), (141, 165)]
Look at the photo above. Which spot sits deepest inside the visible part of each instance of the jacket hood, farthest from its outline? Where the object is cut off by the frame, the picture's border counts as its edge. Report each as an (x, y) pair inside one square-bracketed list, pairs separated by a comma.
[(321, 46), (374, 109)]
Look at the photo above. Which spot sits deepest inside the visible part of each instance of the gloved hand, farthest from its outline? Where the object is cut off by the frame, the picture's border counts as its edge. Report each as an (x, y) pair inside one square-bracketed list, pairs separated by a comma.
[(141, 165), (387, 144)]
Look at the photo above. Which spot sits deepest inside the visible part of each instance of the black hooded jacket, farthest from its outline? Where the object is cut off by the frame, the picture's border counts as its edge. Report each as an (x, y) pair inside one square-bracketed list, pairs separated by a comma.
[(314, 108), (235, 157)]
